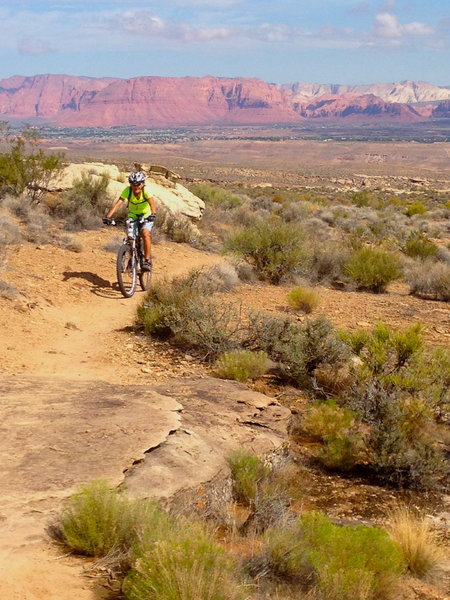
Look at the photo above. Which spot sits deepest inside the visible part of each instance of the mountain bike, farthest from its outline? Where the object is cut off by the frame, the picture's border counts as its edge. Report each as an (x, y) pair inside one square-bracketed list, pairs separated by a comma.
[(130, 256)]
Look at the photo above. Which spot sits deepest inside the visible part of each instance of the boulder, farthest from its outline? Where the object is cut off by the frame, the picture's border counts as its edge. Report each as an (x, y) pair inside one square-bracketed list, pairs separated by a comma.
[(162, 182)]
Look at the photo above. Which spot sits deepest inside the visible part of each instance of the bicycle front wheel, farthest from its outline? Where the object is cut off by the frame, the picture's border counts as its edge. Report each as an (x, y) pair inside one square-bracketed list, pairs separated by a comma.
[(126, 270)]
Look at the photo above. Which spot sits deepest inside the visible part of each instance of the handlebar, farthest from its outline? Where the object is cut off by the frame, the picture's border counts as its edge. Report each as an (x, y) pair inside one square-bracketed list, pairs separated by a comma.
[(122, 221)]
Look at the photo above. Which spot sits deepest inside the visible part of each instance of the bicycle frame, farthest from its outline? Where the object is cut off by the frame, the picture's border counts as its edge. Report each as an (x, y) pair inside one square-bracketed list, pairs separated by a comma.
[(130, 257)]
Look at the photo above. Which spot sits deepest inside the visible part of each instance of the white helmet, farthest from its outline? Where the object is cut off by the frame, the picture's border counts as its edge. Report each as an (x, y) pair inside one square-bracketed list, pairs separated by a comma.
[(136, 178)]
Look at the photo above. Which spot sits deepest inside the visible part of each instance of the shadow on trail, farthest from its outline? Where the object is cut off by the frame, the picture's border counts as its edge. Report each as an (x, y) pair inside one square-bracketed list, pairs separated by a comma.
[(100, 287)]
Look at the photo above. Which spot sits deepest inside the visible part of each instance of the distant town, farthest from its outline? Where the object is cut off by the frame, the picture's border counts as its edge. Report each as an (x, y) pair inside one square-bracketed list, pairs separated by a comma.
[(422, 132)]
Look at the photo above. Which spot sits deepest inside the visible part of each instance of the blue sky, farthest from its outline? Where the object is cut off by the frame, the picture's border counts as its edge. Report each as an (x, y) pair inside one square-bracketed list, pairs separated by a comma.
[(280, 41)]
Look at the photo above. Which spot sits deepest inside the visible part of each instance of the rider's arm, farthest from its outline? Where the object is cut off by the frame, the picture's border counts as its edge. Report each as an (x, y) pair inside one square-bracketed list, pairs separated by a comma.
[(152, 204), (115, 207)]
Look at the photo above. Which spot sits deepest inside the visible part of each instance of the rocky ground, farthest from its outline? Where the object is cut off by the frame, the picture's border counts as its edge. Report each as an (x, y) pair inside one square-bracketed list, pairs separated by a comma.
[(85, 395)]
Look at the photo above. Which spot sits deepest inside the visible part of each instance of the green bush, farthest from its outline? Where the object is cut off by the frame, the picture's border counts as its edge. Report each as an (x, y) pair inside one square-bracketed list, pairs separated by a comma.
[(189, 566), (396, 398), (372, 269), (90, 191), (344, 563), (241, 365), (215, 196), (247, 471), (418, 245), (385, 351), (399, 444), (416, 208), (274, 248), (303, 298), (96, 520), (336, 427)]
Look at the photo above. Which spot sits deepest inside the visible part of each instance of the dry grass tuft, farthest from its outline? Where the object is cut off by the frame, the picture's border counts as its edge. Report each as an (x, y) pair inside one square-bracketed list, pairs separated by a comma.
[(418, 542)]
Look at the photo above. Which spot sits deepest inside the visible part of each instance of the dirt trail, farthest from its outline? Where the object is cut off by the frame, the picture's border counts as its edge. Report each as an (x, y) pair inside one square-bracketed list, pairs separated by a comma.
[(71, 315)]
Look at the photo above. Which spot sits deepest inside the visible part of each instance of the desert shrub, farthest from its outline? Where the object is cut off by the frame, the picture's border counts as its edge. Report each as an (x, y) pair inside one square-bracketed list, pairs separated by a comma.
[(38, 229), (298, 349), (25, 168), (287, 554), (418, 542), (327, 262), (420, 246), (247, 471), (372, 269), (383, 350), (96, 520), (415, 208), (354, 563), (398, 447), (336, 427), (90, 191), (429, 279), (82, 205), (175, 227), (241, 365), (273, 247), (9, 232), (215, 196), (303, 298), (222, 277), (395, 398), (294, 211), (433, 372), (339, 563), (185, 567), (185, 311), (68, 243), (365, 198)]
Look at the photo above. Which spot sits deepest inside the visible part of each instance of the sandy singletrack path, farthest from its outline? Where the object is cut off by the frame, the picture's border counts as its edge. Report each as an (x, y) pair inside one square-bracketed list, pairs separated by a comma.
[(71, 315)]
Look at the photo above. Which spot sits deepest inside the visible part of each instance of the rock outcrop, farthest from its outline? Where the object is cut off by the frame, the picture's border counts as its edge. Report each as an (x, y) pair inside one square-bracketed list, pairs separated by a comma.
[(169, 193), (59, 434)]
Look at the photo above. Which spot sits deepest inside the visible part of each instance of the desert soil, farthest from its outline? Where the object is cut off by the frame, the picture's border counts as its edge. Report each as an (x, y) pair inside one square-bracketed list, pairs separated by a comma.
[(68, 323)]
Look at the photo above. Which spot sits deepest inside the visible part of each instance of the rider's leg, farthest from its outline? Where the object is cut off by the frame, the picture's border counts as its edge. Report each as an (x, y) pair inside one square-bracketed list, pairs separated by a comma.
[(146, 238)]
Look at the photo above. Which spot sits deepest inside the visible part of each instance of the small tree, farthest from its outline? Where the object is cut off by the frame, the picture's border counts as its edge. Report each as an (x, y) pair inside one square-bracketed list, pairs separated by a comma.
[(25, 168)]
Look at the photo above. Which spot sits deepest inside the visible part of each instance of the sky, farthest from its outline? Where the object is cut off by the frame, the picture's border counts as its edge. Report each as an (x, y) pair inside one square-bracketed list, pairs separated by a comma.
[(279, 41)]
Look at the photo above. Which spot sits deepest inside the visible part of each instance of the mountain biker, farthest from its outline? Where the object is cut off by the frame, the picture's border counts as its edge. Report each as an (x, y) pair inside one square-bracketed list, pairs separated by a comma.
[(140, 204)]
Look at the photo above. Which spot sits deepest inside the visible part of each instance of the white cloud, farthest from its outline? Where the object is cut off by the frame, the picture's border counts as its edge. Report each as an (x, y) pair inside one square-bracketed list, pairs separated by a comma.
[(33, 46), (387, 26)]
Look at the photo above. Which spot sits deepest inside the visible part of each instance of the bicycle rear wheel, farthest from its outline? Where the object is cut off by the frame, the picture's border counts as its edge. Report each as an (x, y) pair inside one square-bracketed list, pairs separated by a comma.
[(145, 278), (126, 270)]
